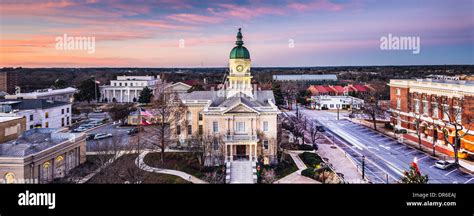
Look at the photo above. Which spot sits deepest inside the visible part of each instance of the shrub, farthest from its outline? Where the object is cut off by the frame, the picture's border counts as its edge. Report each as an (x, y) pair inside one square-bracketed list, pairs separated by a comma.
[(308, 172), (310, 159), (305, 147)]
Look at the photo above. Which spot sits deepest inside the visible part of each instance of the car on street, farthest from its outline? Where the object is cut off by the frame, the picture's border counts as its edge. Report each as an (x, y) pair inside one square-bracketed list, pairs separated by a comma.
[(102, 136), (134, 130), (442, 164)]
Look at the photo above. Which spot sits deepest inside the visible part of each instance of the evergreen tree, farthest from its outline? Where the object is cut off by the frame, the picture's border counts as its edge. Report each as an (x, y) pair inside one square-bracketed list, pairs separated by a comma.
[(145, 95), (279, 101), (86, 90)]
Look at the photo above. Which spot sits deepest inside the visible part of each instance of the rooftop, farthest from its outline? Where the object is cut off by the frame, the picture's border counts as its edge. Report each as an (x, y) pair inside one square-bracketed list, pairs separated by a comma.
[(304, 77), (35, 140), (25, 104)]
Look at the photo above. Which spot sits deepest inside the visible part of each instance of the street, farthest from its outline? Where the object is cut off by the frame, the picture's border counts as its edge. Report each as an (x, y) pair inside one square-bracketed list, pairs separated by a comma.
[(385, 158)]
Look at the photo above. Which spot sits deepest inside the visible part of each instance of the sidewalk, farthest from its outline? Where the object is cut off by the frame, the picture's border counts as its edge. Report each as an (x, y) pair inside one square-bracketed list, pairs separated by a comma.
[(141, 164), (296, 177), (341, 164)]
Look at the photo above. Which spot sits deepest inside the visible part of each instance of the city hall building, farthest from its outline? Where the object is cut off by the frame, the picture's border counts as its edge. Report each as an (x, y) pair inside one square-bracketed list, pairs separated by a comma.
[(435, 102), (241, 117)]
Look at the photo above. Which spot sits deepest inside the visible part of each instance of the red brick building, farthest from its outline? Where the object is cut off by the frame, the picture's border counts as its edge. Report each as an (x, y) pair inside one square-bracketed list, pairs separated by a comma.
[(435, 103)]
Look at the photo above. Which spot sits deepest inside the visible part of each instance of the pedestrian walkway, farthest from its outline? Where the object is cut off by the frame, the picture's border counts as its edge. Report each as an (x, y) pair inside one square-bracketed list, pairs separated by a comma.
[(296, 177), (141, 164), (241, 172), (341, 164)]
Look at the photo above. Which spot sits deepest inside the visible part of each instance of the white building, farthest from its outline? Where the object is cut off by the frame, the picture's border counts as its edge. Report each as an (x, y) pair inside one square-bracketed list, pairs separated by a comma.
[(66, 94), (126, 89), (335, 102), (39, 113)]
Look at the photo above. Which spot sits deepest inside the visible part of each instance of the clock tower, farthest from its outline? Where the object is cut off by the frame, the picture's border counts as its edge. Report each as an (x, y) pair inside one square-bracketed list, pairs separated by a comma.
[(239, 78)]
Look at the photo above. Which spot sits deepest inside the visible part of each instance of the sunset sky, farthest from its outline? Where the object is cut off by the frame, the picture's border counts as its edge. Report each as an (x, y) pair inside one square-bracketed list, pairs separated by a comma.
[(147, 33)]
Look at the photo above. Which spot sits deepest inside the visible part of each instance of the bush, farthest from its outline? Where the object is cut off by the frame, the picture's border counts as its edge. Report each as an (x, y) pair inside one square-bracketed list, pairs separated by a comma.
[(310, 159), (305, 147), (308, 172)]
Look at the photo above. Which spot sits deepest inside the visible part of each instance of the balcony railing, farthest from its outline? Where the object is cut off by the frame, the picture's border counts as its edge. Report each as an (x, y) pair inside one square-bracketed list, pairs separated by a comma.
[(240, 137)]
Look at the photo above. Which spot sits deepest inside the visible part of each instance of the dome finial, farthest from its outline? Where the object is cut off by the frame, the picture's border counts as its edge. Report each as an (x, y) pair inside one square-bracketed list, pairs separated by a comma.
[(239, 41)]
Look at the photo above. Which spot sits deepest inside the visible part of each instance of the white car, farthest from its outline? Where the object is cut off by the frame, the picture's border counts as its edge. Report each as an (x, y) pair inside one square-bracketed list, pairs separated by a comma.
[(442, 164), (102, 136)]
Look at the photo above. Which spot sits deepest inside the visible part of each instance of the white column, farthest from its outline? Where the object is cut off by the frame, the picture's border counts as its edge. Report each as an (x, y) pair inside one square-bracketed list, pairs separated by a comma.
[(231, 154), (255, 151), (128, 94)]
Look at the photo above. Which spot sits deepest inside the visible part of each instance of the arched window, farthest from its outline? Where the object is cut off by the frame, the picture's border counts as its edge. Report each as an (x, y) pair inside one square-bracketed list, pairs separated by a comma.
[(9, 178)]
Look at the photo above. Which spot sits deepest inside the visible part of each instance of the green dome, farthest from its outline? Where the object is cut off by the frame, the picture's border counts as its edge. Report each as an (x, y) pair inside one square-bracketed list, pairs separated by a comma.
[(239, 51)]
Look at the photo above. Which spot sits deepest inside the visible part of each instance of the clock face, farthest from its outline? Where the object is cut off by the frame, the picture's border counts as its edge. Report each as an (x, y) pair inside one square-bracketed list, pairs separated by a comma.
[(240, 68)]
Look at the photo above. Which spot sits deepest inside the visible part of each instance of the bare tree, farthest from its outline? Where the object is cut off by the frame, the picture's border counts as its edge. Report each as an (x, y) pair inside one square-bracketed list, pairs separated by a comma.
[(206, 147), (419, 125), (314, 134), (168, 109), (455, 123), (372, 108)]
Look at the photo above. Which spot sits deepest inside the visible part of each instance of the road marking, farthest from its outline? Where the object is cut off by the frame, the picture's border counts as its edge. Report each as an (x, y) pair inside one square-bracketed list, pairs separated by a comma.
[(468, 180), (450, 172), (412, 151), (423, 158)]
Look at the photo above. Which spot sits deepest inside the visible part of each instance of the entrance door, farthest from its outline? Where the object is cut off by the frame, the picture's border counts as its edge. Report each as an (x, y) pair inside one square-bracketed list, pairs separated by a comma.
[(240, 151)]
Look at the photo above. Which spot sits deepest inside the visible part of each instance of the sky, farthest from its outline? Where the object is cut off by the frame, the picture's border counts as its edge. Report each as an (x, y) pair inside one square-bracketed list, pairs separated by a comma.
[(191, 33)]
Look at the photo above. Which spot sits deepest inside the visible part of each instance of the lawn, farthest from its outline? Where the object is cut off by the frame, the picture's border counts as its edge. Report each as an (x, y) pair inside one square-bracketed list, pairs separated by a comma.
[(285, 167), (185, 162), (310, 159), (124, 170), (91, 164)]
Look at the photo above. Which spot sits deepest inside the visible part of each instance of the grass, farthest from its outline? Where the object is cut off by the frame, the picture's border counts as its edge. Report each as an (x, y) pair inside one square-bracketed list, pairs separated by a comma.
[(182, 161), (124, 170), (285, 167), (310, 159)]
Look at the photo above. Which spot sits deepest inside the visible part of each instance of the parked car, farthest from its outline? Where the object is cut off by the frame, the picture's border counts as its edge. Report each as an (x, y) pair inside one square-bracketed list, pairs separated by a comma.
[(102, 136), (80, 129), (320, 128), (90, 136), (442, 164), (134, 130)]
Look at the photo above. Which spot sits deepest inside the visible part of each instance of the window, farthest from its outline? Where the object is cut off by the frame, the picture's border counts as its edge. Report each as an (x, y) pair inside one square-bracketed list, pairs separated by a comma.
[(240, 127), (399, 103), (46, 124), (200, 117), (62, 122), (178, 129), (458, 112), (46, 115), (216, 144), (331, 105), (31, 126), (9, 178), (190, 130), (67, 121), (200, 129), (62, 111), (31, 117), (67, 110), (189, 116), (265, 144), (215, 127), (265, 126), (425, 108), (445, 112), (398, 91), (417, 106), (435, 110)]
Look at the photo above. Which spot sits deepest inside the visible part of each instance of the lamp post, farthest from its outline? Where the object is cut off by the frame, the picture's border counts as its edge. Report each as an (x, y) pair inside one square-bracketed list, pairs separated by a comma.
[(363, 167)]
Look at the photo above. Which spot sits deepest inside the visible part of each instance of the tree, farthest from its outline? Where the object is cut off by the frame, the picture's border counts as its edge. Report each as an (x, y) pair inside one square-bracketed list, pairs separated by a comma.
[(279, 101), (420, 126), (456, 124), (87, 90), (60, 84), (414, 176), (121, 111), (145, 95), (204, 148), (314, 135), (167, 109), (303, 96), (372, 109)]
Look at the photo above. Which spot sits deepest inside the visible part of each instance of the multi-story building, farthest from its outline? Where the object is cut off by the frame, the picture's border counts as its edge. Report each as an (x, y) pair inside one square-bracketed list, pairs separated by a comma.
[(38, 112), (126, 89), (435, 103), (8, 81), (241, 118), (336, 102), (11, 127), (65, 95), (41, 155)]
